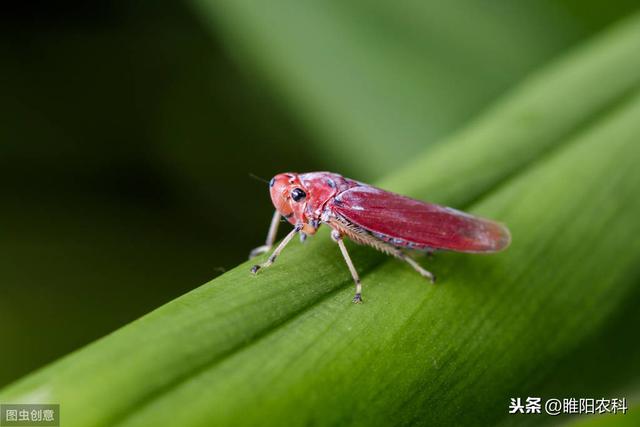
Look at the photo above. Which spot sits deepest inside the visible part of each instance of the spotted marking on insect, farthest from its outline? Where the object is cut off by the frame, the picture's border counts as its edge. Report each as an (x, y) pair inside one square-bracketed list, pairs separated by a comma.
[(371, 216)]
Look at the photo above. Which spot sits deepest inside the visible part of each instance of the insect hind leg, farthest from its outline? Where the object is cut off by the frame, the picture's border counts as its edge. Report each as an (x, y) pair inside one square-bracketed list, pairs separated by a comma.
[(413, 263)]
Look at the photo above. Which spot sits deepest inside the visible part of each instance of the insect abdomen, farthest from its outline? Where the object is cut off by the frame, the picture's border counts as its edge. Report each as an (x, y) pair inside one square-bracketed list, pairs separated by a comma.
[(364, 237)]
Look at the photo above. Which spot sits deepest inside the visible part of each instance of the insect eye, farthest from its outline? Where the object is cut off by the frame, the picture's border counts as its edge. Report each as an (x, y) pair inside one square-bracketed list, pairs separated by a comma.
[(297, 194)]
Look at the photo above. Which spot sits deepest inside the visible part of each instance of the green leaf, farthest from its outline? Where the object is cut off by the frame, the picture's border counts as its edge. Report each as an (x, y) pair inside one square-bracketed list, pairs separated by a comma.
[(387, 79), (556, 160), (629, 419)]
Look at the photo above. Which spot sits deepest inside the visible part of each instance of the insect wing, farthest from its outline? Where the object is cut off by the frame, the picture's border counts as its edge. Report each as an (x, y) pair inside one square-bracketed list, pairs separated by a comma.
[(403, 221)]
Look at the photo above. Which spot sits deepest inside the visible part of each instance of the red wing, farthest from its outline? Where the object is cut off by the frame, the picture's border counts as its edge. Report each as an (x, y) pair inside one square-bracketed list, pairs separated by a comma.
[(424, 225)]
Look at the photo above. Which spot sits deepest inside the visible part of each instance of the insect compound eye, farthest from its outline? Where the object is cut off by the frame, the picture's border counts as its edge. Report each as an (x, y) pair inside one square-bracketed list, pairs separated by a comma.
[(297, 194)]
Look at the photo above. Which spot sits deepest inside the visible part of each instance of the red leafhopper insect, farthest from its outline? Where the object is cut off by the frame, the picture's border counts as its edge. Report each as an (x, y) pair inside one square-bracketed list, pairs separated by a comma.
[(368, 215)]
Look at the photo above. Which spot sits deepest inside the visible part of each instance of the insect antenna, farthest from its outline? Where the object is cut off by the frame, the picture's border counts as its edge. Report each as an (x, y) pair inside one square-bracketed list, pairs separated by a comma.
[(258, 178)]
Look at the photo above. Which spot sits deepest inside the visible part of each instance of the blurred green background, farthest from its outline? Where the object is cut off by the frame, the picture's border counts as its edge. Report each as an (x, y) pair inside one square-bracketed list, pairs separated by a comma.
[(129, 130)]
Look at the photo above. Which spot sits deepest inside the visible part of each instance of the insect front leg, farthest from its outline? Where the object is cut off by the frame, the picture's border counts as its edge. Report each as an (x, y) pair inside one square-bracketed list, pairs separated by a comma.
[(271, 237), (277, 251), (337, 237)]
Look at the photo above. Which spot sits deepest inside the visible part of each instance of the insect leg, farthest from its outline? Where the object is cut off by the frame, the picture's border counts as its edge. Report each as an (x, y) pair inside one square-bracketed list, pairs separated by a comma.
[(277, 251), (271, 237), (337, 237), (417, 267)]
